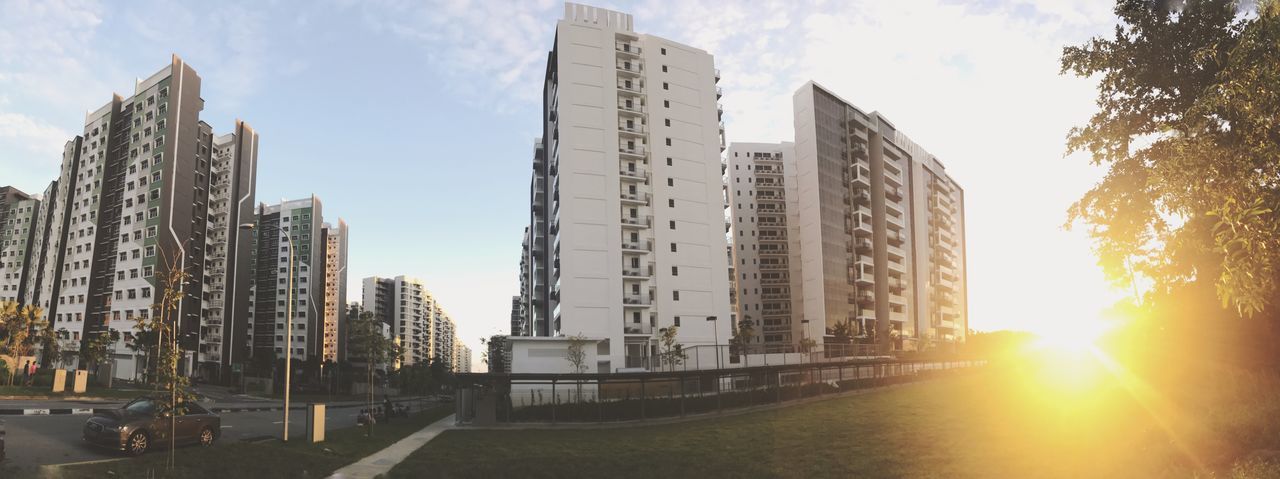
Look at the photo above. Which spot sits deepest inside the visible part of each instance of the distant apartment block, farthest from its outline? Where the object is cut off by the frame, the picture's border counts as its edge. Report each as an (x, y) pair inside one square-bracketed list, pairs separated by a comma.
[(864, 236), (19, 222), (334, 340), (416, 321), (762, 207), (289, 266), (626, 235)]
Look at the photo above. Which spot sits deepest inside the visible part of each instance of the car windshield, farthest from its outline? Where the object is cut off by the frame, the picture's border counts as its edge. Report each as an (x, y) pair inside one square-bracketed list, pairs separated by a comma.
[(141, 406)]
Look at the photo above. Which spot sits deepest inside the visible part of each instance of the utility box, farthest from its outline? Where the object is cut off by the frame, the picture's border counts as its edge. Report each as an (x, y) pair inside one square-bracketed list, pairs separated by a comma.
[(81, 381), (315, 422), (59, 380)]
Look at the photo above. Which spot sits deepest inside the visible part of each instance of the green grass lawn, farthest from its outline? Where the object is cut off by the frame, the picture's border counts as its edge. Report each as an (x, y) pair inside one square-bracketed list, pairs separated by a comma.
[(995, 423), (273, 459)]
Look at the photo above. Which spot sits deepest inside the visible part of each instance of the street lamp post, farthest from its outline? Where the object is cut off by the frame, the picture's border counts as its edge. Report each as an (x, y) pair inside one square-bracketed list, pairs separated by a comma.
[(715, 332), (288, 328)]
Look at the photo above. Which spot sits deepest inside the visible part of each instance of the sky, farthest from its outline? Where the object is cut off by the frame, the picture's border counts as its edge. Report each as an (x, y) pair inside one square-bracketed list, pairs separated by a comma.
[(415, 120)]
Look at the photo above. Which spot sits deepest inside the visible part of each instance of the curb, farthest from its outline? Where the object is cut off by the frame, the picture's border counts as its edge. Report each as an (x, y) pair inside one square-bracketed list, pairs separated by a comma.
[(45, 412), (89, 411)]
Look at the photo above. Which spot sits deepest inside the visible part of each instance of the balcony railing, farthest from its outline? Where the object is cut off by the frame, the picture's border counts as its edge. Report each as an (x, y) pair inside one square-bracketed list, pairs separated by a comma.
[(642, 198), (641, 222), (635, 301), (636, 129), (634, 175), (632, 108), (637, 246), (632, 151), (633, 68), (629, 327), (627, 48), (631, 272)]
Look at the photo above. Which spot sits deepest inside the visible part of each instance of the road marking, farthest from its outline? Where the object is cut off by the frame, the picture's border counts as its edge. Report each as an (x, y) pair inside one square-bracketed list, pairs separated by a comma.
[(226, 427), (35, 412), (278, 422)]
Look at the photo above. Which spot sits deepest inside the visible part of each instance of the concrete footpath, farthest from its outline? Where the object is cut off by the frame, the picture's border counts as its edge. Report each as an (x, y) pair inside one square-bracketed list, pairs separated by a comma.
[(382, 461)]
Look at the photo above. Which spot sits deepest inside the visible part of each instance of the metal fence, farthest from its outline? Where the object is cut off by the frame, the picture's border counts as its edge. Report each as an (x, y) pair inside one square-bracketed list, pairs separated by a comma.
[(725, 356), (490, 399)]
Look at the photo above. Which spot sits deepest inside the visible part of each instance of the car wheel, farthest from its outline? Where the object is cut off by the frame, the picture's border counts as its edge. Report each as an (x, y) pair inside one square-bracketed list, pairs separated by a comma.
[(206, 436), (138, 443)]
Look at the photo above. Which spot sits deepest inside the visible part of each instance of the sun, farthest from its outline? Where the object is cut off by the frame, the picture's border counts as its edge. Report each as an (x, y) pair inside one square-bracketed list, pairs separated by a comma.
[(1072, 338)]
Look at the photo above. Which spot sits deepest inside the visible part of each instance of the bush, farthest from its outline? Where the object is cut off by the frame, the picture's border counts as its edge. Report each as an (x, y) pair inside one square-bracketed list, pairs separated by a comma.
[(43, 377)]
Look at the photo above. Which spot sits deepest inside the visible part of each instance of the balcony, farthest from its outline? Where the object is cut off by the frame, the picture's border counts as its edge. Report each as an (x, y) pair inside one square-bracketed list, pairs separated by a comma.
[(629, 327), (628, 222), (631, 152), (774, 296), (627, 49), (719, 93), (632, 130), (634, 175), (637, 247), (630, 68), (630, 272), (631, 301), (773, 266), (771, 211), (633, 108), (866, 299), (772, 251), (894, 194), (717, 75), (635, 198)]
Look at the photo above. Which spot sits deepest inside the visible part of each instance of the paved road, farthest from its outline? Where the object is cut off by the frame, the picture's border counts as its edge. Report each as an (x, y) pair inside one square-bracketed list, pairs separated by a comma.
[(38, 440)]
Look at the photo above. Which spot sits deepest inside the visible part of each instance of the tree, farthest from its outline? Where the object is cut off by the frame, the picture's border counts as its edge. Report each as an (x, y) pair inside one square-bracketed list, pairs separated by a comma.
[(743, 334), (365, 341), (173, 279), (843, 331), (672, 352), (95, 348), (1187, 122), (19, 324), (50, 346), (807, 344), (494, 354), (577, 354), (577, 357)]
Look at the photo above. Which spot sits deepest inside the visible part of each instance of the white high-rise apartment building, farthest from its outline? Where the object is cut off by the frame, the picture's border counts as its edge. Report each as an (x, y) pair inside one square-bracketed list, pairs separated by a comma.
[(762, 207), (627, 199), (851, 234)]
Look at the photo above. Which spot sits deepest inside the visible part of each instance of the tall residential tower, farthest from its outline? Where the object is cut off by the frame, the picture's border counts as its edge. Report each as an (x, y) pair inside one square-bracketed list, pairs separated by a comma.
[(627, 205)]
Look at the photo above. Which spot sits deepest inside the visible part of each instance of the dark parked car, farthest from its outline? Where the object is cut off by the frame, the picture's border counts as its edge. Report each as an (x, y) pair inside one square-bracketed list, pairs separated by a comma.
[(145, 423)]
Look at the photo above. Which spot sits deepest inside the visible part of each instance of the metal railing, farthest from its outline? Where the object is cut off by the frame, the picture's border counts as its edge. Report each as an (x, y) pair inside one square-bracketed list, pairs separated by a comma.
[(502, 398)]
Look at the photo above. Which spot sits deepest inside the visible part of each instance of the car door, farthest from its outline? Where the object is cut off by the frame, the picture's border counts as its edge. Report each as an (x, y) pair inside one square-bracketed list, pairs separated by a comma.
[(188, 424)]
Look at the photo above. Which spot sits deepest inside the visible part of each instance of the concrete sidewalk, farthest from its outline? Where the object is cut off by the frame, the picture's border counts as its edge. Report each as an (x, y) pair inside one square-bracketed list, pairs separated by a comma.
[(79, 407), (382, 461)]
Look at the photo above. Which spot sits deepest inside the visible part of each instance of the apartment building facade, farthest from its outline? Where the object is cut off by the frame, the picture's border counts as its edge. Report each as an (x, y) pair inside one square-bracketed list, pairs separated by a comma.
[(334, 340), (762, 207), (19, 223), (289, 277), (417, 322), (879, 230), (224, 320), (626, 196), (132, 202)]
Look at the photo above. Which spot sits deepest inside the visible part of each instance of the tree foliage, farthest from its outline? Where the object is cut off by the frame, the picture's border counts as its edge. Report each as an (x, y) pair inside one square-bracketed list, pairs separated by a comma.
[(21, 326), (672, 353), (577, 353), (1188, 125)]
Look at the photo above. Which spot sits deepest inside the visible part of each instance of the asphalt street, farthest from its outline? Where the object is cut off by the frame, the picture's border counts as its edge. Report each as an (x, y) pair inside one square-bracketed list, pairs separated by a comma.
[(32, 441)]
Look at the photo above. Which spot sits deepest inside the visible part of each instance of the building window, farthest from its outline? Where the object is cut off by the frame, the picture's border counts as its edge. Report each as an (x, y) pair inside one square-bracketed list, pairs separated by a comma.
[(668, 142), (664, 69), (673, 224), (668, 161), (666, 86), (677, 321), (671, 182), (673, 247), (675, 271), (671, 203), (666, 103), (675, 295), (664, 51)]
